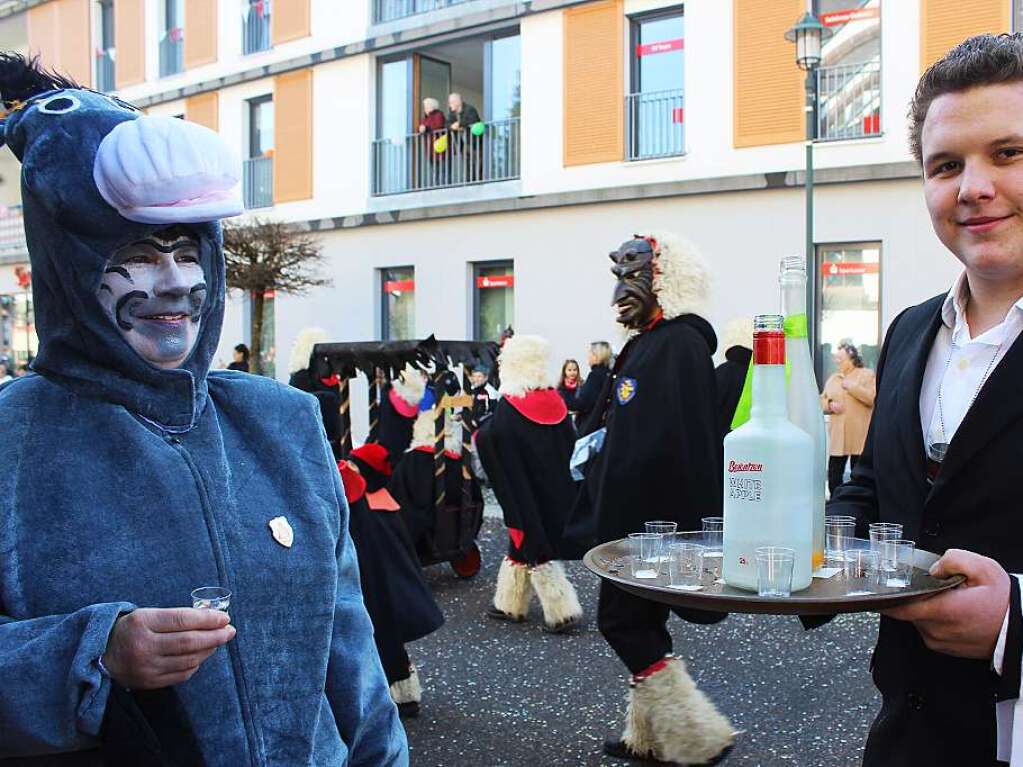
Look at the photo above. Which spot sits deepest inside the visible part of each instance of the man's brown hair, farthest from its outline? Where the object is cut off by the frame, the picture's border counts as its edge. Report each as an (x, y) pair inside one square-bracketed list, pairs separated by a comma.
[(978, 61)]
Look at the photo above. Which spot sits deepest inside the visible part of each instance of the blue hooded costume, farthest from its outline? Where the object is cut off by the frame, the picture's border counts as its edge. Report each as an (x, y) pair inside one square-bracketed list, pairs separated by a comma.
[(126, 485)]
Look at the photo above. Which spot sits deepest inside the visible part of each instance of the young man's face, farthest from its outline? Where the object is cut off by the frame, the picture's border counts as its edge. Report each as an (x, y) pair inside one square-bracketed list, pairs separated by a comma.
[(972, 146), (154, 291)]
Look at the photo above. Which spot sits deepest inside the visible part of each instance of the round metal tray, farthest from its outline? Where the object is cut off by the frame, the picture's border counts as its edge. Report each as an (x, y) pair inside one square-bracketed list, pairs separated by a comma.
[(825, 596)]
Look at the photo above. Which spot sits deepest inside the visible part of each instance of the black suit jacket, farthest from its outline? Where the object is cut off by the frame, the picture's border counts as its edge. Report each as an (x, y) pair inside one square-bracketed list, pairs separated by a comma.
[(937, 709)]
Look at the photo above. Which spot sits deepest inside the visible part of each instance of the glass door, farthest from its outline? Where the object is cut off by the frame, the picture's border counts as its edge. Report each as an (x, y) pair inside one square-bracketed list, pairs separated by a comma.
[(503, 91), (849, 301), (394, 124), (656, 110)]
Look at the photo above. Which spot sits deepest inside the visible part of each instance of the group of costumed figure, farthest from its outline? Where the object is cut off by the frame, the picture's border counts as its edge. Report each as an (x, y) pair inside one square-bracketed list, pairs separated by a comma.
[(658, 424)]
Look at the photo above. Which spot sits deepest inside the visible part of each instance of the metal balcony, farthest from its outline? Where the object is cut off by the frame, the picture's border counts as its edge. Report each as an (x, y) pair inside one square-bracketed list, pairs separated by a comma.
[(390, 10), (421, 161), (655, 125), (258, 182), (849, 101), (172, 53), (105, 80), (256, 28)]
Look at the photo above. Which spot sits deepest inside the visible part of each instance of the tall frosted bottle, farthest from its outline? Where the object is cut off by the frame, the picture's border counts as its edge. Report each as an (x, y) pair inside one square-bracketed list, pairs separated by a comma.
[(768, 500), (804, 401)]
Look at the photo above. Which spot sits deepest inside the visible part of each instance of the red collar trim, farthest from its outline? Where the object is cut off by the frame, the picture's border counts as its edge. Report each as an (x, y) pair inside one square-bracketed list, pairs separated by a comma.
[(403, 408), (542, 406), (423, 449), (331, 381), (354, 483), (657, 318), (382, 500)]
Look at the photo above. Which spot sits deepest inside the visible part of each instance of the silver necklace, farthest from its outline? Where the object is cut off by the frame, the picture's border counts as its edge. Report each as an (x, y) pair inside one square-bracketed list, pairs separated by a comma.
[(936, 450)]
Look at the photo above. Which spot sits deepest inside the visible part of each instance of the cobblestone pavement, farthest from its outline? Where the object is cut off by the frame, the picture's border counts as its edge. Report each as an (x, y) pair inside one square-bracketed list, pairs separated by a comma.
[(496, 694)]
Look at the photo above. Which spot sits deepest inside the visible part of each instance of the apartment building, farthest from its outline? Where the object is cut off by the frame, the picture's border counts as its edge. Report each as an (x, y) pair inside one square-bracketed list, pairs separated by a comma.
[(600, 119)]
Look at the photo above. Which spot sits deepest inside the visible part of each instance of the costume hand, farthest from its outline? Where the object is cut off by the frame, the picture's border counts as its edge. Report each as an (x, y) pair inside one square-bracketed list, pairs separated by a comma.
[(964, 621), (159, 647)]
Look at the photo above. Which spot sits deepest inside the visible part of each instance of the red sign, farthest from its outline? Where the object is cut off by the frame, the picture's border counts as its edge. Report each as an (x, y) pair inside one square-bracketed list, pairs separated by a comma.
[(23, 276), (665, 46), (842, 268), (678, 115), (496, 281), (872, 124), (838, 18), (399, 286)]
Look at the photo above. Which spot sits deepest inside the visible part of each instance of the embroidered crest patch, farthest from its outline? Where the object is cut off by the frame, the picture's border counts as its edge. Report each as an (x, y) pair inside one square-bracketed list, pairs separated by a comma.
[(625, 390)]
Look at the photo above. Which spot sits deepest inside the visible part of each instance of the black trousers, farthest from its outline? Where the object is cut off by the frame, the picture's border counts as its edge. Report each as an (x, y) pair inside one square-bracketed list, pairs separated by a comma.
[(836, 469), (637, 629), (394, 658)]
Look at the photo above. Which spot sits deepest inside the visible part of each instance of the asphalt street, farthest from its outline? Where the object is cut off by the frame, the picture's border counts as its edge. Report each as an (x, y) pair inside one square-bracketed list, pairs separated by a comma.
[(499, 694)]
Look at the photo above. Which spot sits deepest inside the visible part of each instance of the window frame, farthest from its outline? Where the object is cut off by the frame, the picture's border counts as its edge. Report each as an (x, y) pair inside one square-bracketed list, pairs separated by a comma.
[(635, 20), (383, 274), (253, 104), (474, 271)]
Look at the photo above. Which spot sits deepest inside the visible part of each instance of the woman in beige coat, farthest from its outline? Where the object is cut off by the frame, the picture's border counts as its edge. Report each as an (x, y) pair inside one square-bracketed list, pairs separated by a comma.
[(849, 399)]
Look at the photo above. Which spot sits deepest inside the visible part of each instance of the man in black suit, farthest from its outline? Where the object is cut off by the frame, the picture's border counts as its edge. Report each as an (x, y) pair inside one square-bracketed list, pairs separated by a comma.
[(946, 441)]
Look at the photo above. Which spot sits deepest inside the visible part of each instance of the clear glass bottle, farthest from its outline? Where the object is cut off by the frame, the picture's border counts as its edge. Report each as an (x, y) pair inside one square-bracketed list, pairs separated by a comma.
[(804, 401), (767, 496)]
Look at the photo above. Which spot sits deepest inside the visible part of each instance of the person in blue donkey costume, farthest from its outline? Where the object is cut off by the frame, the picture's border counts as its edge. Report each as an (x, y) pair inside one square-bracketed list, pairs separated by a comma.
[(133, 474)]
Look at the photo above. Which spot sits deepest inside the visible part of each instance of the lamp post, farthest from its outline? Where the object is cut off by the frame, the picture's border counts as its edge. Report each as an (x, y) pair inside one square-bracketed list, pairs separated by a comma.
[(809, 35)]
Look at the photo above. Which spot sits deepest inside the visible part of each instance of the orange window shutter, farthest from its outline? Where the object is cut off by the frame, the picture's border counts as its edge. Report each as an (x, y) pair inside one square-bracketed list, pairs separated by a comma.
[(204, 109), (129, 42), (946, 23), (289, 20), (43, 28), (293, 136), (200, 33), (767, 89), (76, 40), (594, 39)]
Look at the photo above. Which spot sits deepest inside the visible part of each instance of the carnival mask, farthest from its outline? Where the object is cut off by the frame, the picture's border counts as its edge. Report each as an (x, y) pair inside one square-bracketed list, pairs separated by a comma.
[(154, 291), (634, 294)]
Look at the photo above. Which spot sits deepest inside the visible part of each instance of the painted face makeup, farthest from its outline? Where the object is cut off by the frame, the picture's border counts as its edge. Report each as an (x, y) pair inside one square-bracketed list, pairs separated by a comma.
[(154, 291), (634, 294)]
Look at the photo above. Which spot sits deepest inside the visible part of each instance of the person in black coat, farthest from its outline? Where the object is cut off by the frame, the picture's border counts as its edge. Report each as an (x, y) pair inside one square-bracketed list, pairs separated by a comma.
[(525, 450), (589, 393), (241, 359), (942, 452), (326, 390), (399, 602), (661, 459), (399, 406), (731, 374)]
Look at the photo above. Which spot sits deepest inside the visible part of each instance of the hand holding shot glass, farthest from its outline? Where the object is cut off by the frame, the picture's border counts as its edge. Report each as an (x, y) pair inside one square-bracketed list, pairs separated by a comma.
[(211, 598)]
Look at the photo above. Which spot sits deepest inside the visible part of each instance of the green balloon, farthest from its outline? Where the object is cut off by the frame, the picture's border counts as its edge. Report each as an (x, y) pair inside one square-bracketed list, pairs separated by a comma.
[(478, 129)]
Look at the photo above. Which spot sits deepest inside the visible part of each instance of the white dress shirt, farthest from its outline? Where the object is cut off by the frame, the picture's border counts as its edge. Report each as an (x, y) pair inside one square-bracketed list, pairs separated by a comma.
[(958, 366)]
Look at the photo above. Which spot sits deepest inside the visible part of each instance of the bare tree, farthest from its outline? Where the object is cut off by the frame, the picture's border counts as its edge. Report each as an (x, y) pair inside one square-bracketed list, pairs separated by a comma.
[(269, 255)]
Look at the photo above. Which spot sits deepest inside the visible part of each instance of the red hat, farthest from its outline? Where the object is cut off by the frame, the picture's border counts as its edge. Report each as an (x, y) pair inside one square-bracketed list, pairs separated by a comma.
[(375, 456)]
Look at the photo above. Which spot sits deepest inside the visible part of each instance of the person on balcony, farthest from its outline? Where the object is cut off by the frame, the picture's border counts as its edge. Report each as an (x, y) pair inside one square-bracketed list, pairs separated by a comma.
[(461, 117), (431, 130)]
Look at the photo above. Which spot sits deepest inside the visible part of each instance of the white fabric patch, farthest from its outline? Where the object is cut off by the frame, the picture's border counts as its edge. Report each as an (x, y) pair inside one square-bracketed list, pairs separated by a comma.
[(162, 170)]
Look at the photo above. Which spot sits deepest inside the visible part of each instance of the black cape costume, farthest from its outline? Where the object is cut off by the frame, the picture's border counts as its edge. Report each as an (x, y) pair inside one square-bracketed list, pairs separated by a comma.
[(525, 450), (731, 377), (399, 602), (394, 430), (328, 394)]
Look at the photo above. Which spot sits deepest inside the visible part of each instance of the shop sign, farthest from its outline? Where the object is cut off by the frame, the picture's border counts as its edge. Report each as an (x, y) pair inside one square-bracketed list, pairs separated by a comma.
[(399, 286), (844, 268), (665, 46), (838, 18), (496, 281)]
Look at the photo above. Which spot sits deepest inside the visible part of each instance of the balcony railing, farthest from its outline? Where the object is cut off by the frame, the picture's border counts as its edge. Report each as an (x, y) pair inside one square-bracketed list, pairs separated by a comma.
[(172, 53), (424, 161), (256, 27), (849, 101), (105, 80), (258, 182), (389, 10), (654, 125)]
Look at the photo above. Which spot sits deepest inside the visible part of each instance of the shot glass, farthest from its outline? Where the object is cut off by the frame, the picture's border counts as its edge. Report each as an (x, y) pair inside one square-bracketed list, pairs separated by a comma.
[(862, 572), (838, 532), (211, 598), (714, 530), (685, 566), (881, 532), (774, 571), (663, 529), (646, 561), (900, 555)]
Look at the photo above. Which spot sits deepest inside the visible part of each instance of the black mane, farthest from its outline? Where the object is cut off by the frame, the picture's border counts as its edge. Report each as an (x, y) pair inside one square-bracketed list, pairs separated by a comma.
[(22, 78)]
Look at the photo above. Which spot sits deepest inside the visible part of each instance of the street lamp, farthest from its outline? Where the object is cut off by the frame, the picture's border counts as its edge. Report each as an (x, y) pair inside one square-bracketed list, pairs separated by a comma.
[(809, 36)]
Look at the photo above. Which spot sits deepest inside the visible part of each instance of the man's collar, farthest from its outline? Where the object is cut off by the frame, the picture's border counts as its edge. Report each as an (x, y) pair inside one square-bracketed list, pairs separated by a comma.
[(953, 310)]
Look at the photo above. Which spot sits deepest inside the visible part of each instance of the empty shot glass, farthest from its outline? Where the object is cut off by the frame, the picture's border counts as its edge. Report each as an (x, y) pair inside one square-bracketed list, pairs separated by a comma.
[(645, 561), (685, 566), (211, 598), (900, 555), (714, 529), (664, 529), (862, 572), (881, 532), (838, 532), (774, 571)]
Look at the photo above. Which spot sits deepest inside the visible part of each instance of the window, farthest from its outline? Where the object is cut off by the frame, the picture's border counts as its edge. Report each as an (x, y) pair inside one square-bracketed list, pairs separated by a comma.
[(849, 290), (172, 37), (397, 303), (494, 299), (1017, 15), (655, 110), (849, 78), (105, 72), (257, 176), (255, 26)]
